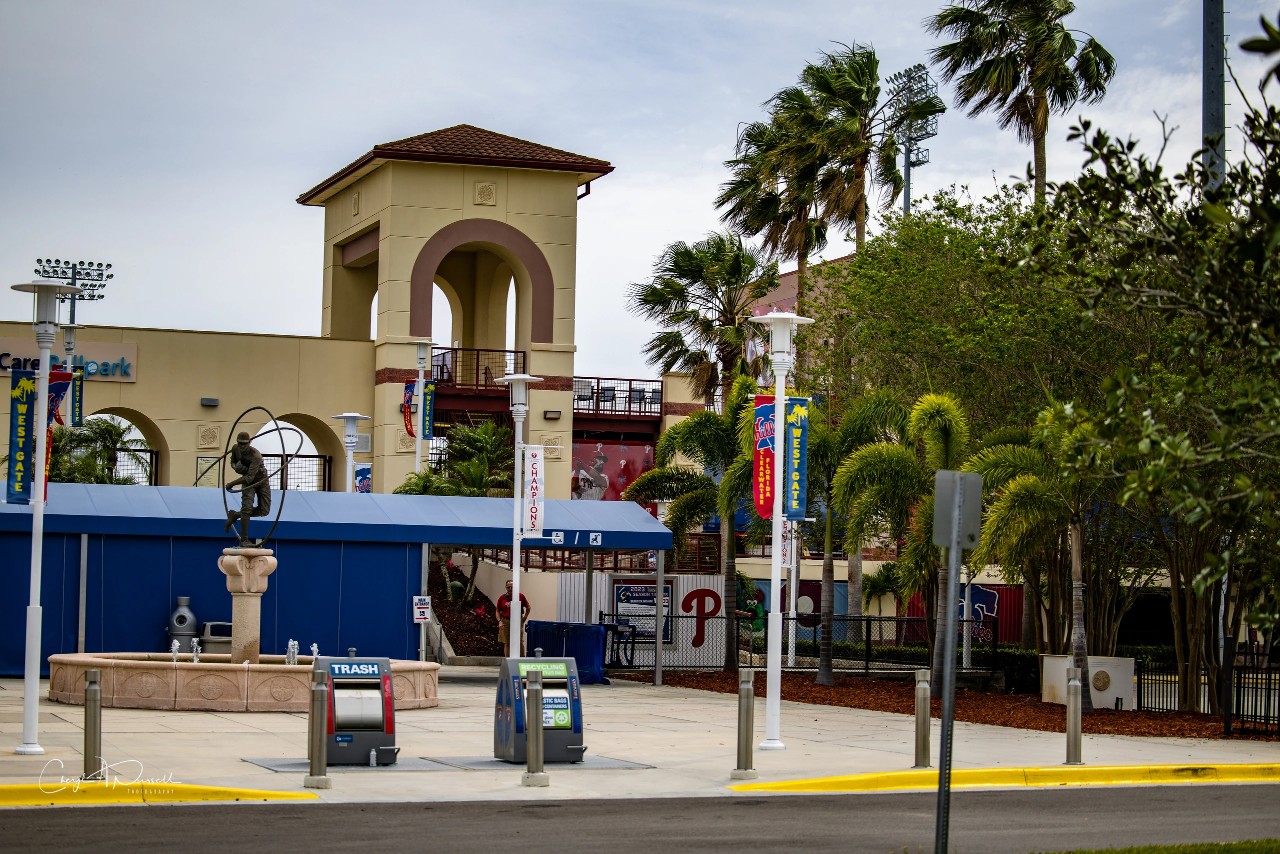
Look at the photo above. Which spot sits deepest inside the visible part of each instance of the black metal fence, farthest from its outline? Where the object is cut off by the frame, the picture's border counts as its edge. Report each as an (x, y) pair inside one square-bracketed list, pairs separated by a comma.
[(139, 464), (1255, 701), (858, 644), (305, 472)]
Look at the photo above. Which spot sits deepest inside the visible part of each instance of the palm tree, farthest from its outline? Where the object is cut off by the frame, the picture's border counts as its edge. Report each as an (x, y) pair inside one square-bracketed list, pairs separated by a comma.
[(1018, 58), (701, 297), (89, 453), (888, 487), (714, 484)]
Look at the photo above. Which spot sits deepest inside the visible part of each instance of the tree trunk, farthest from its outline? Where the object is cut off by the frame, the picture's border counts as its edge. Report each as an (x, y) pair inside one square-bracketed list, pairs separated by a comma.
[(828, 606), (475, 570), (940, 628), (1030, 640), (1038, 146), (1079, 649), (728, 560), (854, 595)]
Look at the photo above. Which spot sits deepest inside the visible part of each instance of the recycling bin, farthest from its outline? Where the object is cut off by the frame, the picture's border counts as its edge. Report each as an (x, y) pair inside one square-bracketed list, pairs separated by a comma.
[(360, 723), (561, 710)]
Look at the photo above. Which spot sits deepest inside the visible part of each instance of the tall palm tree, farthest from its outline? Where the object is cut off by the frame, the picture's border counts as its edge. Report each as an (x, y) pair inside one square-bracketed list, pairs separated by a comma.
[(700, 296), (89, 453), (1018, 58), (714, 484), (887, 487)]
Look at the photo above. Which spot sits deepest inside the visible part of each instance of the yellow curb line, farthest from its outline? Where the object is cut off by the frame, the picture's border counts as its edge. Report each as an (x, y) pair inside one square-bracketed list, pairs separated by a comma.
[(1058, 775), (75, 793)]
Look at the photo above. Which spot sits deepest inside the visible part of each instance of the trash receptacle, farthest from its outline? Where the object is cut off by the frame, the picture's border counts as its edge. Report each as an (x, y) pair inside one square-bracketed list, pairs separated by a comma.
[(561, 710), (216, 638), (360, 719), (182, 625)]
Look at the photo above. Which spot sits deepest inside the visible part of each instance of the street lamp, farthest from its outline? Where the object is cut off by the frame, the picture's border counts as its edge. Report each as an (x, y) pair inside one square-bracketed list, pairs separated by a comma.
[(518, 390), (782, 327), (349, 422), (424, 358), (87, 277), (46, 326)]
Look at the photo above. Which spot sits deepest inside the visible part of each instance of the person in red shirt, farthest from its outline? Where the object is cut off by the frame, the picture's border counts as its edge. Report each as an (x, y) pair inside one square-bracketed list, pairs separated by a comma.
[(504, 615)]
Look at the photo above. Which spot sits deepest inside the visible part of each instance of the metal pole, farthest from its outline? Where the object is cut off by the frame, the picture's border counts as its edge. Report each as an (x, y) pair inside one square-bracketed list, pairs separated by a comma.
[(773, 675), (1073, 716), (1213, 111), (659, 616), (906, 178), (84, 591), (424, 578), (793, 584), (93, 766), (589, 616), (516, 621), (534, 774), (966, 655), (746, 725), (949, 677), (922, 719), (317, 732)]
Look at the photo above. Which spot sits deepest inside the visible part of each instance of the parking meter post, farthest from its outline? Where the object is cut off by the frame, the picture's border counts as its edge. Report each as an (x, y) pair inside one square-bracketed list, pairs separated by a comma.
[(1073, 716), (746, 725), (922, 719), (317, 729), (534, 774), (92, 725)]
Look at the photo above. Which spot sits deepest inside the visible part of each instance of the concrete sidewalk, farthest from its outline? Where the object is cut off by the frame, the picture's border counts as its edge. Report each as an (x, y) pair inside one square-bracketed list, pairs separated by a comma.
[(665, 742)]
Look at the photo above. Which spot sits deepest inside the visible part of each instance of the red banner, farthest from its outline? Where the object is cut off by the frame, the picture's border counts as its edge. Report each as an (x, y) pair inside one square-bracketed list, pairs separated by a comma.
[(762, 470)]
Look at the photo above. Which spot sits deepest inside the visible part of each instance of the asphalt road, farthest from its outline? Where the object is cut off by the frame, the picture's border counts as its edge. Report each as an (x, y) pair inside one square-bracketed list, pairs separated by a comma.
[(994, 821)]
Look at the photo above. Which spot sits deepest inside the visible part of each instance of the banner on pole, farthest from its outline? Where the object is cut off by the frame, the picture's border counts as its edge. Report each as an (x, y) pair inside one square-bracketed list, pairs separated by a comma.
[(77, 399), (427, 407), (534, 487), (796, 428), (763, 460), (406, 408), (22, 436)]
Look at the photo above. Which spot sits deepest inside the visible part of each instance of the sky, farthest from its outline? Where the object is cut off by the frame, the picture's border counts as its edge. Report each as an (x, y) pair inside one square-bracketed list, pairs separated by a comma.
[(171, 138)]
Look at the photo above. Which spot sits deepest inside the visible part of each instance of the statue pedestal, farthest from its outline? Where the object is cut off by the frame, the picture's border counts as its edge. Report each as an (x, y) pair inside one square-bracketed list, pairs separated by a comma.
[(246, 570)]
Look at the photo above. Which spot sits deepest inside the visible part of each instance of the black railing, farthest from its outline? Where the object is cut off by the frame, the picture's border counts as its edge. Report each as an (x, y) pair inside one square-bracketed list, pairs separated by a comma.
[(1255, 701), (139, 465), (466, 368), (1156, 686), (617, 397), (859, 644), (305, 472)]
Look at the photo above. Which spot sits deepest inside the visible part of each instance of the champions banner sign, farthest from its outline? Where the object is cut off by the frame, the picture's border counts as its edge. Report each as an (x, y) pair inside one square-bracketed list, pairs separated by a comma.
[(534, 489), (796, 443), (763, 460)]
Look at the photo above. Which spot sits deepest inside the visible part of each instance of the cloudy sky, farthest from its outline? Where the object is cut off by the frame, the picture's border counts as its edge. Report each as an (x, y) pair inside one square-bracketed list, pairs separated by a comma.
[(172, 137)]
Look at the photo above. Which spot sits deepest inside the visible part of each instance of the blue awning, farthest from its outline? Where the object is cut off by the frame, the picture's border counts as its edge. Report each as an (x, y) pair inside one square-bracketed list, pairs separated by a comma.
[(189, 511)]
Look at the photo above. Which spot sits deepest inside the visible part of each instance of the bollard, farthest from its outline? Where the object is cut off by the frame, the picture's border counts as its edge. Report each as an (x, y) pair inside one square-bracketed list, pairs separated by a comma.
[(317, 730), (746, 724), (534, 775), (1073, 716), (92, 726), (922, 719)]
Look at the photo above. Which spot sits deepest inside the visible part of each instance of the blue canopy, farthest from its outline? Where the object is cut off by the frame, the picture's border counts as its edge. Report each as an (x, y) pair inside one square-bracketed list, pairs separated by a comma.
[(189, 511)]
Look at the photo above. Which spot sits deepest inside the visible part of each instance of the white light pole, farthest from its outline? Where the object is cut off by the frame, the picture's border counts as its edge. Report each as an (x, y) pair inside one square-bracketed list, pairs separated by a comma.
[(518, 390), (349, 422), (46, 326), (424, 357), (782, 326)]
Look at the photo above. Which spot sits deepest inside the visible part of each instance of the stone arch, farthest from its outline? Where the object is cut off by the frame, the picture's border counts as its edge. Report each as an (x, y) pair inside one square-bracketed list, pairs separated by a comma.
[(151, 434), (510, 244)]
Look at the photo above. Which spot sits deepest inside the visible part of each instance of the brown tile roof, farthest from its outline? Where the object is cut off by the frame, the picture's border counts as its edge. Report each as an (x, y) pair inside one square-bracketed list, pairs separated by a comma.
[(467, 144)]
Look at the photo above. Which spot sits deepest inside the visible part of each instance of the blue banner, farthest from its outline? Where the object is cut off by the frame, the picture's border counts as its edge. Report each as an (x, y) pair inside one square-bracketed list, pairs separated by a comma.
[(796, 448), (22, 437), (428, 408), (77, 399)]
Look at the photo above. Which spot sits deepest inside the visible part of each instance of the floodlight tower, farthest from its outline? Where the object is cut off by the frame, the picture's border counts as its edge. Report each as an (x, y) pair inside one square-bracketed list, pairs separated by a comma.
[(89, 276), (907, 88)]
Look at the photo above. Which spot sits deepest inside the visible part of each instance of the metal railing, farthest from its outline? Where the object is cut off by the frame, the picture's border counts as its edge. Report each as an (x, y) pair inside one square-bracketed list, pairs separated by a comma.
[(859, 644), (554, 560), (305, 472), (138, 464), (458, 367), (1255, 700), (616, 397)]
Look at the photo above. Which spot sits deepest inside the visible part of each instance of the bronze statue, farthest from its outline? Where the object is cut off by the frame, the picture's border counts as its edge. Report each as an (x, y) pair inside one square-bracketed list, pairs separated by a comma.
[(254, 483)]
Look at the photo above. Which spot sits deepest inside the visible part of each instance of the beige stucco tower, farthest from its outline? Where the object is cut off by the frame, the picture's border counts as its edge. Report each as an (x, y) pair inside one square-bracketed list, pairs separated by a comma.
[(471, 211)]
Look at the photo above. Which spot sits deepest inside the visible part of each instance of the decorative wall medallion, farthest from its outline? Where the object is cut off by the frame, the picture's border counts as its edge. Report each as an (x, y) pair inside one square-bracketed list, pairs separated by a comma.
[(1101, 680), (404, 442), (400, 688), (145, 684), (486, 193), (210, 687), (282, 689), (553, 445), (208, 436)]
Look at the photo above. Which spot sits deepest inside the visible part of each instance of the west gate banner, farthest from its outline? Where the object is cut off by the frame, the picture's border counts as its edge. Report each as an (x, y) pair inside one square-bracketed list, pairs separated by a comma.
[(22, 430), (796, 442), (762, 469)]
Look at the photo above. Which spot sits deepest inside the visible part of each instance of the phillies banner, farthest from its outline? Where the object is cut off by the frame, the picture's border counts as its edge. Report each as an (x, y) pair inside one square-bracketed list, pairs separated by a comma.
[(428, 409), (762, 469), (534, 487), (410, 388), (796, 443)]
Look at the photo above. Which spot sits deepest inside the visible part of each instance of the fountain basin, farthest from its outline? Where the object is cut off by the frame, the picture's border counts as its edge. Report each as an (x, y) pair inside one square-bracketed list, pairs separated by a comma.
[(139, 680)]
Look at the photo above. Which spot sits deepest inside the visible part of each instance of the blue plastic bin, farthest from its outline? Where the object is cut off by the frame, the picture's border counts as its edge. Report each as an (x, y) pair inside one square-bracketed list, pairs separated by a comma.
[(580, 641)]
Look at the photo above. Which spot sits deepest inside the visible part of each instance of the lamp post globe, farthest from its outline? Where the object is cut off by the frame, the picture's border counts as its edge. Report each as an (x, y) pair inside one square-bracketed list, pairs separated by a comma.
[(349, 435)]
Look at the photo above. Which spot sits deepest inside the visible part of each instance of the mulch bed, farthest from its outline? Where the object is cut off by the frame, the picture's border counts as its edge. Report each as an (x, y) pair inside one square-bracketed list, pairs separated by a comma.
[(1023, 711), (471, 627)]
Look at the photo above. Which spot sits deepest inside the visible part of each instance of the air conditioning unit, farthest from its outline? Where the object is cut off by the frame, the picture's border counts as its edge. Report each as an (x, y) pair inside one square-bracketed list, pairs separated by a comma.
[(1111, 683), (364, 443)]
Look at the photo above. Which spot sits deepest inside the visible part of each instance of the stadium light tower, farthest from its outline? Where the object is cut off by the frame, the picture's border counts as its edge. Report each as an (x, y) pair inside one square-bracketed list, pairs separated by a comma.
[(906, 88)]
